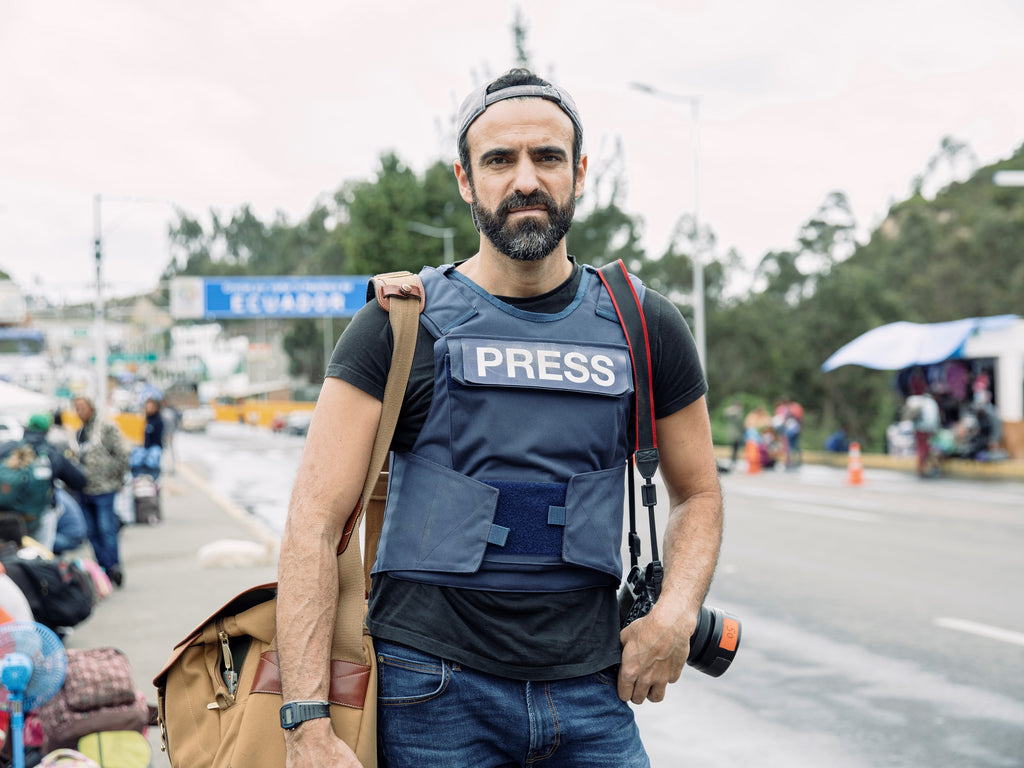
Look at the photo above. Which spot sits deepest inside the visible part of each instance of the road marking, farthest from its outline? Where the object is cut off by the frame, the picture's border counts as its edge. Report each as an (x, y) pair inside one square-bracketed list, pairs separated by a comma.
[(809, 498), (821, 510), (981, 630)]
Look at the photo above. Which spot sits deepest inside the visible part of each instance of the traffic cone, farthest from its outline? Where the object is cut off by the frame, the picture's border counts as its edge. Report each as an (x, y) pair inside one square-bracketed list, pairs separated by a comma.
[(854, 466), (753, 456)]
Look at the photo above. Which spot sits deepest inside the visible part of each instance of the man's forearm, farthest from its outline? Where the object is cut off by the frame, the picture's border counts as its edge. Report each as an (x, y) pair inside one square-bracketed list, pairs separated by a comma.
[(692, 541), (306, 607)]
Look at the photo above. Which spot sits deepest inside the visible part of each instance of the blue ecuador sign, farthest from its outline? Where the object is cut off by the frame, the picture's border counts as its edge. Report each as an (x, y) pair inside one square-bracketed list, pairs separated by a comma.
[(279, 297)]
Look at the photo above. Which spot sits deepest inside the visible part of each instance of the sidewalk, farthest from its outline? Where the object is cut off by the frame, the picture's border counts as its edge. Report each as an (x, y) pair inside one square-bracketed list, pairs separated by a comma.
[(166, 592)]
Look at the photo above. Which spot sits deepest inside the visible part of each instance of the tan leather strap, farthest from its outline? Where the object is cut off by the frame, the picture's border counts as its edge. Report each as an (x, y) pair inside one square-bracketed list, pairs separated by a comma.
[(353, 576)]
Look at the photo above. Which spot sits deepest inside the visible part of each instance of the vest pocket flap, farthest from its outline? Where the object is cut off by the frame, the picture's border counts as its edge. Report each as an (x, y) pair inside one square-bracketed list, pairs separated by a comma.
[(436, 519), (593, 518)]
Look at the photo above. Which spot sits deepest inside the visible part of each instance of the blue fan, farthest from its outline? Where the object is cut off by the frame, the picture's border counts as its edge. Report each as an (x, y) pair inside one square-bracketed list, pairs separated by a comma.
[(32, 668)]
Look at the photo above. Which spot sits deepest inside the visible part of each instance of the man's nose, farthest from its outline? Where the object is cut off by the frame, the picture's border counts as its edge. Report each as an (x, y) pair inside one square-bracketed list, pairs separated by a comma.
[(526, 180)]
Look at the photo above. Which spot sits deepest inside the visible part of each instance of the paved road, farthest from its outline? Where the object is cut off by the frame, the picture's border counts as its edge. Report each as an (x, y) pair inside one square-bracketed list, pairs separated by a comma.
[(882, 622), (882, 626)]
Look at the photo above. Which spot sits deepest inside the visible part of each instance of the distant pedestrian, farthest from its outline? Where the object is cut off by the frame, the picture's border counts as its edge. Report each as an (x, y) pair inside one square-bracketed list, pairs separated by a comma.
[(145, 459), (838, 441), (104, 455), (172, 419), (921, 409), (734, 427)]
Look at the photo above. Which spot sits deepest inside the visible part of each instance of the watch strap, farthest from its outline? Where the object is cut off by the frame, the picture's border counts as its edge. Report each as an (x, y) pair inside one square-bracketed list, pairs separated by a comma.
[(295, 712)]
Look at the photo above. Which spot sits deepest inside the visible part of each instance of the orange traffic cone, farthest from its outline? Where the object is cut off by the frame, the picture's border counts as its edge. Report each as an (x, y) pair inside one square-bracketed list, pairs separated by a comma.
[(753, 456), (854, 466)]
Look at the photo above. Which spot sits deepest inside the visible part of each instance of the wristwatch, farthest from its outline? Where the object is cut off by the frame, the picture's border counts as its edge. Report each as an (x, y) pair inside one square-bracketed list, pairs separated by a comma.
[(295, 712)]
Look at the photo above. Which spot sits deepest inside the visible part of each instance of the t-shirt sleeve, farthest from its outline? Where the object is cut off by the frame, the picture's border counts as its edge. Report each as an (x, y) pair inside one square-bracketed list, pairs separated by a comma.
[(678, 375), (362, 356)]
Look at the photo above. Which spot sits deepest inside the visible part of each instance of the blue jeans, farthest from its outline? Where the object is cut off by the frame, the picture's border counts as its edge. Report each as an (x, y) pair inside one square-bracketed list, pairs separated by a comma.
[(71, 525), (102, 524), (433, 712)]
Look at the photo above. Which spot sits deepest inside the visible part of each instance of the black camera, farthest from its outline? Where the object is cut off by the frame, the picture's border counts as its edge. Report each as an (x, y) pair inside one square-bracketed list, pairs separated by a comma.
[(713, 643)]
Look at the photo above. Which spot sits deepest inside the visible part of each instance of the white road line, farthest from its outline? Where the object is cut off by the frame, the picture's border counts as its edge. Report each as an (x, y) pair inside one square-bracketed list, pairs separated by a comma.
[(981, 630), (822, 510)]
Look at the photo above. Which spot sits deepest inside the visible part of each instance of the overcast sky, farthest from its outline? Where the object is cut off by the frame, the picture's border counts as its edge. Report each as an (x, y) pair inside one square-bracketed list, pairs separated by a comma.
[(207, 104)]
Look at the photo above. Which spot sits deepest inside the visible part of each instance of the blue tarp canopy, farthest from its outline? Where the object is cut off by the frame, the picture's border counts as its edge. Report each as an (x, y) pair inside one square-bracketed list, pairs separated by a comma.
[(896, 346)]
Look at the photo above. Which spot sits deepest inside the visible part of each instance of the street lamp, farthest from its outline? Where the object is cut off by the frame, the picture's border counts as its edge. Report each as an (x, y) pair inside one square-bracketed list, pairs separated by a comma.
[(99, 321), (447, 233), (698, 258)]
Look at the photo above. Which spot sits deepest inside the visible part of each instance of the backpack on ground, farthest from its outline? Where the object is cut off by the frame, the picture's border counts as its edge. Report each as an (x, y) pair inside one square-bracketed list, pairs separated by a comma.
[(26, 483), (59, 593)]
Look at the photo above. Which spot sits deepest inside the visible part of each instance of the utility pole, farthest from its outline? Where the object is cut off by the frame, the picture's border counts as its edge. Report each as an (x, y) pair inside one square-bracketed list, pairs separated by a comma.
[(699, 331), (99, 329)]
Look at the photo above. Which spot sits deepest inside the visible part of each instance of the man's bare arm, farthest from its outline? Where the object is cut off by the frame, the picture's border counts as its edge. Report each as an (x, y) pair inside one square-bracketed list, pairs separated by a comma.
[(656, 646), (327, 486)]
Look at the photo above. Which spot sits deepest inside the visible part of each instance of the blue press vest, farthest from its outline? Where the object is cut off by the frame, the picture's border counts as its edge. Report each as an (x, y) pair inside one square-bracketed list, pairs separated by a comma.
[(516, 480)]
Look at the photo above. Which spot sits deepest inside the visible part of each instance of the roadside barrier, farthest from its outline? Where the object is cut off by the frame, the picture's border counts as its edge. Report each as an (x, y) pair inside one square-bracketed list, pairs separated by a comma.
[(753, 457), (854, 466)]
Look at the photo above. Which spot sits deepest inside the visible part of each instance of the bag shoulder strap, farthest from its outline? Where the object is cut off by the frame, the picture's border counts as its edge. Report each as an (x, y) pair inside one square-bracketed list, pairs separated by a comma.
[(404, 317)]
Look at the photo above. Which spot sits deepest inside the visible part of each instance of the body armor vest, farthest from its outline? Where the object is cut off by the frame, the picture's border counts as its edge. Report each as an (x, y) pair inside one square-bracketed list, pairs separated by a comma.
[(516, 481)]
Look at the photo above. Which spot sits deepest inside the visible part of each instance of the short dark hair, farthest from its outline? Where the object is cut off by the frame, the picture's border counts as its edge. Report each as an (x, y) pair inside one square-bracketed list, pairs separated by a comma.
[(519, 76)]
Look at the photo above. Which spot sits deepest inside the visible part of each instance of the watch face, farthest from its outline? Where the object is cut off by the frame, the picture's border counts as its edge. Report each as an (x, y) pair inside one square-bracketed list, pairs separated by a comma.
[(297, 712)]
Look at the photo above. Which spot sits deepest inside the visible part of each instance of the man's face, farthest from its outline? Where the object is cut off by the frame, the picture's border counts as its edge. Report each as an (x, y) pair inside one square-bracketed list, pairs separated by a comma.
[(83, 409), (523, 189)]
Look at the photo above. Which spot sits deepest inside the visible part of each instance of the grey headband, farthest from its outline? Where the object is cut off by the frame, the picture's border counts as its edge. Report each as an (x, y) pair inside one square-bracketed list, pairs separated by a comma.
[(479, 100)]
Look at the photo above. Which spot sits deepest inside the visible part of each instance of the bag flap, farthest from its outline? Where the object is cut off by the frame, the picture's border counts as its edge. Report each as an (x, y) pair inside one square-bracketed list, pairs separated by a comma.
[(240, 603)]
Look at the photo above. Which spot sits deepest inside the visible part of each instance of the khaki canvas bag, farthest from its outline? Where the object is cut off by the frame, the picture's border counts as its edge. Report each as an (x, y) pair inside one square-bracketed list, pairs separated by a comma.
[(219, 694)]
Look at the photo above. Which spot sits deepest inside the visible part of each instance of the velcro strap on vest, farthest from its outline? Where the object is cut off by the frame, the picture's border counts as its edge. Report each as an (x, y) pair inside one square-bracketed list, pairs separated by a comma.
[(525, 511), (498, 535)]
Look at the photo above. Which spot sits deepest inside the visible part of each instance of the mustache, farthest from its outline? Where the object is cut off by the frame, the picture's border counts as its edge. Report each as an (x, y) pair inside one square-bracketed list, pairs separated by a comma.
[(518, 200)]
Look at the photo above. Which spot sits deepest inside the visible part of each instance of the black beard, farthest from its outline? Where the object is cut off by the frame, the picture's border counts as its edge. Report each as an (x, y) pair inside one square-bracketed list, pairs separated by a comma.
[(531, 239)]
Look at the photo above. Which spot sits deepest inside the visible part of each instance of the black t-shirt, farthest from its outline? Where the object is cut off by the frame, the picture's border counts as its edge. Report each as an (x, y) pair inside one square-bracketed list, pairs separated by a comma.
[(520, 635)]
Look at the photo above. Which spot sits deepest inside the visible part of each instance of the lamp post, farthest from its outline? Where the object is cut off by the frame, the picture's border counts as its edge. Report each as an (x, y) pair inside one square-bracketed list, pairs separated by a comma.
[(99, 329), (99, 323), (447, 233), (699, 332)]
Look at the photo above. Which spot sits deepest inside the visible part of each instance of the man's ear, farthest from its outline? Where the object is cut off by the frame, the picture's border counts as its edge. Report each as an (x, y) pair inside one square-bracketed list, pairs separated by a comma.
[(581, 175), (465, 186)]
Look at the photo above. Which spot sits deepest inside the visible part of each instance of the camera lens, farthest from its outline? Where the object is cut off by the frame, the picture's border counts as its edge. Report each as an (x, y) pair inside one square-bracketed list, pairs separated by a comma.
[(714, 642)]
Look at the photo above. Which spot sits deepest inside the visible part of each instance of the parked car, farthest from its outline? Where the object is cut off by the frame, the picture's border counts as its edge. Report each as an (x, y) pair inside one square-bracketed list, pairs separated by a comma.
[(297, 422), (196, 419)]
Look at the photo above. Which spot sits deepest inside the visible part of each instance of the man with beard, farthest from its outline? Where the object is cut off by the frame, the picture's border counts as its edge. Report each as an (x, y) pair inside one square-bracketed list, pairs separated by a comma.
[(493, 608)]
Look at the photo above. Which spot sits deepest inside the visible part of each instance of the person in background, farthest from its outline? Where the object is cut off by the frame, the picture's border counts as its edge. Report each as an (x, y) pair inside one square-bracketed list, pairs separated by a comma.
[(838, 442), (734, 427), (71, 527), (921, 409), (104, 455), (62, 468), (145, 459), (172, 419)]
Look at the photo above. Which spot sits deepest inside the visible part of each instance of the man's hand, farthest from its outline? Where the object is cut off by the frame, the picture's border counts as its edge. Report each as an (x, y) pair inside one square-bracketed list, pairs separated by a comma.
[(313, 744), (654, 650)]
